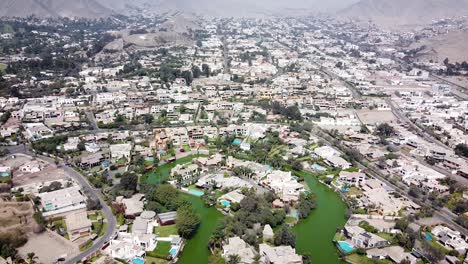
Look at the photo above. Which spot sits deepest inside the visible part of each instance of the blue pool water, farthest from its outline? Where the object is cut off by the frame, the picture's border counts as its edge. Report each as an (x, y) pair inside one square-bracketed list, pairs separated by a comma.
[(317, 167), (138, 261), (225, 203), (428, 237), (173, 251), (295, 214), (196, 192), (236, 141), (345, 247)]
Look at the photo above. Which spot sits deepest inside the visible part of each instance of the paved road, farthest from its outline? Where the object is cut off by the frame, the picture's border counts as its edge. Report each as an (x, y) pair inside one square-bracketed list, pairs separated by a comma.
[(91, 193), (402, 117), (442, 213), (93, 122)]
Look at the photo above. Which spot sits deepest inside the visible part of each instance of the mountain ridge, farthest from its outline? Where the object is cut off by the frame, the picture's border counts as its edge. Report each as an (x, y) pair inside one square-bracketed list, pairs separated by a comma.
[(404, 12)]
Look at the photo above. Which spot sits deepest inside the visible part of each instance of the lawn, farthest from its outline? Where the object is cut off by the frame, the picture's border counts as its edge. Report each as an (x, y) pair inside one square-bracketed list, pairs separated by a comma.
[(363, 259), (161, 250), (339, 237), (97, 225), (86, 246), (165, 231), (2, 67), (152, 260), (386, 236), (162, 173), (93, 217)]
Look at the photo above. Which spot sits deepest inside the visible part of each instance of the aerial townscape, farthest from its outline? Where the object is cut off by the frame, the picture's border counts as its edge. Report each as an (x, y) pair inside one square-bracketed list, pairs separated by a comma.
[(224, 132)]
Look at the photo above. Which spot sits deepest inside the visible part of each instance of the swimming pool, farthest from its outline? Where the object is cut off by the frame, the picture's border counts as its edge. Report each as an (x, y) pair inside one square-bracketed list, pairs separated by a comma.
[(236, 141), (138, 261), (196, 192), (173, 251), (225, 203), (317, 167), (428, 237), (345, 247)]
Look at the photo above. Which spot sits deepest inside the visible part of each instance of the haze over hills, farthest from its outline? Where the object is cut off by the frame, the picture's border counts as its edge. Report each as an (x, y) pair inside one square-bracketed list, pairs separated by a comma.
[(404, 12), (54, 8), (103, 8)]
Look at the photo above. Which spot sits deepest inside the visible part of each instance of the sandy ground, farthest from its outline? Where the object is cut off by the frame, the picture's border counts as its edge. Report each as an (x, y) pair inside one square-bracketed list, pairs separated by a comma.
[(16, 215), (48, 246), (374, 116), (451, 45)]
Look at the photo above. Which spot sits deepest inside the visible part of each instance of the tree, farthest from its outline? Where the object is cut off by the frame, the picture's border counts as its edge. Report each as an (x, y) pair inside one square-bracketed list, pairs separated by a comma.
[(196, 72), (284, 236), (187, 222), (206, 70), (31, 258), (129, 181), (148, 119), (187, 75), (462, 150), (433, 254), (306, 204), (385, 130), (234, 259)]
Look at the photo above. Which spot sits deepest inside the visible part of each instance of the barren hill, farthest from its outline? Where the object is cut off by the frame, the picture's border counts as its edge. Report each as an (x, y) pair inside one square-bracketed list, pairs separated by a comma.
[(404, 12)]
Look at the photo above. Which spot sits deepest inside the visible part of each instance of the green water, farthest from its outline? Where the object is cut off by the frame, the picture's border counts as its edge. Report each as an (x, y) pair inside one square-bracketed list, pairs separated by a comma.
[(314, 234), (196, 248)]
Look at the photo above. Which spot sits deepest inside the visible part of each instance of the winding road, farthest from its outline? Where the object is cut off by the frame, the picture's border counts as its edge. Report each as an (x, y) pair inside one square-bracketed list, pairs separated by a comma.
[(92, 193)]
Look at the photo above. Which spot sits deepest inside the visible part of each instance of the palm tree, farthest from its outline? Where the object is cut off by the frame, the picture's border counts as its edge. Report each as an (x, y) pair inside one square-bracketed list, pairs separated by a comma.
[(31, 258), (234, 259)]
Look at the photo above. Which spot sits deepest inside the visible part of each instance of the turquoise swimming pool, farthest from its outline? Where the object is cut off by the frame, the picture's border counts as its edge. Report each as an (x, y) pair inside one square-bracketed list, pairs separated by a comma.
[(173, 251), (317, 167), (236, 142), (225, 203), (196, 192), (138, 261), (345, 247), (428, 237)]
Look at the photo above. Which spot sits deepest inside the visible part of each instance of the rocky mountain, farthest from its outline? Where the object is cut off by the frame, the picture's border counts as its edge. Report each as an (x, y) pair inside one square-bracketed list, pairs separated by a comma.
[(54, 8), (404, 12)]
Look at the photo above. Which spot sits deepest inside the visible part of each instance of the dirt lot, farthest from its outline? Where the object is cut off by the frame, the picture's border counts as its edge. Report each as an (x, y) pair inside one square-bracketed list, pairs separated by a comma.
[(48, 246), (374, 116), (15, 215), (49, 172)]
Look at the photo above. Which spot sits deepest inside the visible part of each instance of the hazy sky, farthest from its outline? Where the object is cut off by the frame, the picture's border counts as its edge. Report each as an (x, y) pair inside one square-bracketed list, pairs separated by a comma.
[(227, 7)]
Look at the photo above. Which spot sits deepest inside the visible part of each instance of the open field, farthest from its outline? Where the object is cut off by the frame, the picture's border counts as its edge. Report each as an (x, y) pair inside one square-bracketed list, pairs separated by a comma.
[(16, 215), (41, 245)]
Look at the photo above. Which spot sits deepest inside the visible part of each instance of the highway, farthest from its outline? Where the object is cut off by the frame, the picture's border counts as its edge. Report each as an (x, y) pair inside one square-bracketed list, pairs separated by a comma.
[(442, 213), (92, 193)]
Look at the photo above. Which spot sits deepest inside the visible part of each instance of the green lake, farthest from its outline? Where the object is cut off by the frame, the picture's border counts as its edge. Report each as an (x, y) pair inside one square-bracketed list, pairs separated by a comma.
[(196, 248), (314, 234)]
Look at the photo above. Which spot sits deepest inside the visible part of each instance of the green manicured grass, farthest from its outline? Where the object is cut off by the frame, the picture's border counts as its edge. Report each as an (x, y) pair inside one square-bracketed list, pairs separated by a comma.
[(363, 259), (93, 217), (60, 224), (5, 179), (152, 260), (97, 225), (162, 173), (2, 67), (339, 237), (161, 250), (86, 246), (386, 236), (436, 244), (165, 231)]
